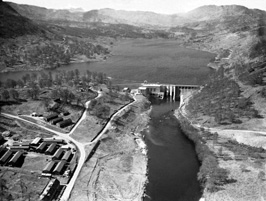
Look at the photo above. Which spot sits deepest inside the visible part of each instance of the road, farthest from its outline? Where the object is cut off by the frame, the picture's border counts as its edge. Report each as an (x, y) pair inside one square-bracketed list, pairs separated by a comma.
[(80, 146)]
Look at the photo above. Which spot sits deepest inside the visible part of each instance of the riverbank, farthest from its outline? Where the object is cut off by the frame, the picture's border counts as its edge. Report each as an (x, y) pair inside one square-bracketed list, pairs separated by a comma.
[(236, 154), (116, 169)]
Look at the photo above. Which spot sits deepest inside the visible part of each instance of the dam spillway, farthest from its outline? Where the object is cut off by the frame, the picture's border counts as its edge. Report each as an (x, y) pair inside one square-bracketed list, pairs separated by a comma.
[(165, 90)]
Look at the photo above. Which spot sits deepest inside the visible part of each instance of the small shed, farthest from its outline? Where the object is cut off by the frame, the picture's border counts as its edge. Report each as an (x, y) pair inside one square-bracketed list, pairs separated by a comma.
[(19, 148), (56, 120), (58, 154), (5, 157), (2, 151), (50, 117), (36, 141), (49, 167), (16, 158), (53, 140), (50, 190), (59, 167), (41, 147), (51, 149), (21, 144), (65, 123)]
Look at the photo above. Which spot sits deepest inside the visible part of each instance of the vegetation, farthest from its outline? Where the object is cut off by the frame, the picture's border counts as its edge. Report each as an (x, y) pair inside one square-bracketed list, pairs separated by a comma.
[(226, 104), (211, 176), (25, 52)]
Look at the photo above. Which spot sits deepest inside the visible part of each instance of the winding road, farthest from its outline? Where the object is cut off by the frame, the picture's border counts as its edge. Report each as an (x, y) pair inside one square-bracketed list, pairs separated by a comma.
[(81, 146)]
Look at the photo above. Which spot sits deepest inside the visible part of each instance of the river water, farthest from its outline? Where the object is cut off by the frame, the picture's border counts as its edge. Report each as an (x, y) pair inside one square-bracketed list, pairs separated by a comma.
[(172, 163)]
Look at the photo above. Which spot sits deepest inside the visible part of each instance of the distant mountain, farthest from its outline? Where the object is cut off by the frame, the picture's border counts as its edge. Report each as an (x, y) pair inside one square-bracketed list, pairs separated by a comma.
[(76, 10), (12, 24), (210, 15)]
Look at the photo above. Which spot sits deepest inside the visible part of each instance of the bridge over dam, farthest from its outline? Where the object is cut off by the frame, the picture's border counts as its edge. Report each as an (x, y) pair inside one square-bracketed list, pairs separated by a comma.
[(172, 91)]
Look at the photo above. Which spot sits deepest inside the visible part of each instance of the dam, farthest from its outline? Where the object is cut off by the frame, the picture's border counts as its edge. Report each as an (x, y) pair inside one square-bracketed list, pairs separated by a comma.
[(172, 91)]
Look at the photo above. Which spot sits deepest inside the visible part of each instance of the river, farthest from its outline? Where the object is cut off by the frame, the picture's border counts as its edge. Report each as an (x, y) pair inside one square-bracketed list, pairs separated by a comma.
[(173, 163)]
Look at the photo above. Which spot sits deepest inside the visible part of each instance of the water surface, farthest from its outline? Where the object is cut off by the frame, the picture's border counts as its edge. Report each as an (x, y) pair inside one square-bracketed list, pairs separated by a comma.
[(173, 163)]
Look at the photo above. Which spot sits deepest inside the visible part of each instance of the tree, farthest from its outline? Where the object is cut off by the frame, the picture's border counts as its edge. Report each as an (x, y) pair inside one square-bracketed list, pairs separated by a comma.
[(20, 83), (14, 93), (5, 95), (55, 94), (33, 92), (102, 111), (10, 83), (77, 73)]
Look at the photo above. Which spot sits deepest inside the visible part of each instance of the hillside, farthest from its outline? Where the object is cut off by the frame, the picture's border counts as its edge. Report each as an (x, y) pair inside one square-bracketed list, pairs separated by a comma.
[(28, 45), (12, 24)]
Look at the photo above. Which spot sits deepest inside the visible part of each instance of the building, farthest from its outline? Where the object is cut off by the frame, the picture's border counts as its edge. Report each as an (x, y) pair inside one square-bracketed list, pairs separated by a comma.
[(49, 191), (67, 156), (58, 154), (19, 148), (50, 117), (56, 120), (59, 167), (64, 123), (143, 90), (51, 149), (5, 157), (16, 158), (36, 141), (21, 144), (41, 148), (53, 140), (2, 151), (49, 167)]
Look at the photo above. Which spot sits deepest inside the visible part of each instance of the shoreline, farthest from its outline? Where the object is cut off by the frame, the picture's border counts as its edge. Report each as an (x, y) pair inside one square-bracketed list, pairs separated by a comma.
[(232, 160), (14, 69)]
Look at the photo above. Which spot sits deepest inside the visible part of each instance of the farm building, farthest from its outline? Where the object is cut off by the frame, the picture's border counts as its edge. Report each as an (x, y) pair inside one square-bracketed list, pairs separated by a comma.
[(59, 167), (16, 158), (50, 117), (36, 141), (49, 167), (58, 154), (19, 148), (56, 120), (41, 147), (64, 123), (50, 190), (21, 144), (2, 151), (51, 149), (5, 157), (67, 156), (53, 140)]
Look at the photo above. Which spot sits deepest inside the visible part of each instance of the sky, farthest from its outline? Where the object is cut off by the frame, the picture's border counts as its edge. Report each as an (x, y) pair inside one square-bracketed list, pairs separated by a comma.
[(158, 6)]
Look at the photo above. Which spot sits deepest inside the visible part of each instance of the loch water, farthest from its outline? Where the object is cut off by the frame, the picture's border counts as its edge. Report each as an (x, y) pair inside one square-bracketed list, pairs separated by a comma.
[(172, 164)]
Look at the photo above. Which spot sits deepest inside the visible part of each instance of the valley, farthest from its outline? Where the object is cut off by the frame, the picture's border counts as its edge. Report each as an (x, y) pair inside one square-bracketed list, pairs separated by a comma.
[(84, 59)]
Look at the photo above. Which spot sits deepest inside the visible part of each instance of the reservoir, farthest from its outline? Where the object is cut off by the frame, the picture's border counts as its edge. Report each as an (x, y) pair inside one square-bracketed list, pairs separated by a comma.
[(172, 163), (136, 60)]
